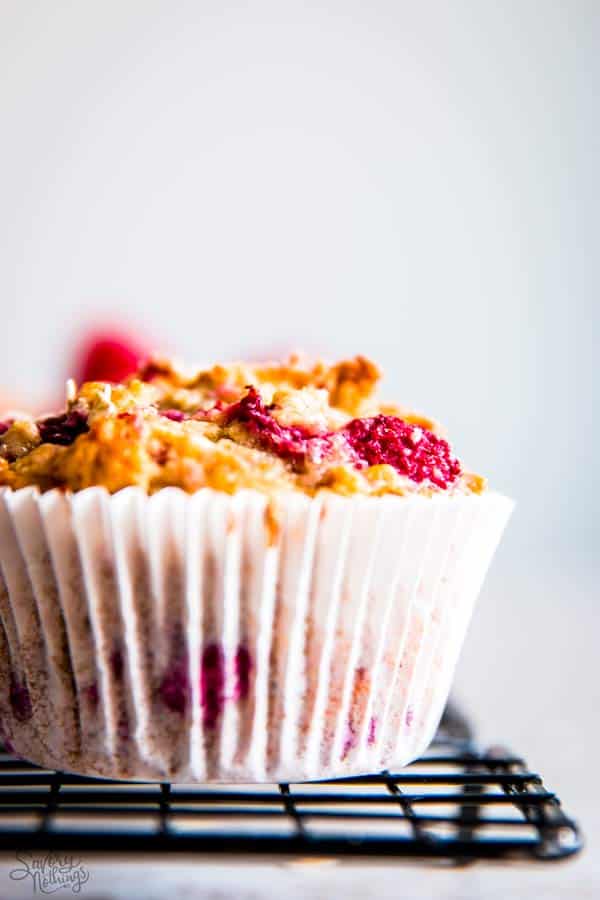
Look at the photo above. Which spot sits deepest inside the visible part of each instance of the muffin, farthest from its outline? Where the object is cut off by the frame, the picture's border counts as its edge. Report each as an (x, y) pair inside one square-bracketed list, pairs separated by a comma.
[(244, 573)]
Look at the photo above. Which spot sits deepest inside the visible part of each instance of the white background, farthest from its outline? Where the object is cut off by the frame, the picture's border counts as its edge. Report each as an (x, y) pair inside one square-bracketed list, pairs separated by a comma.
[(416, 181)]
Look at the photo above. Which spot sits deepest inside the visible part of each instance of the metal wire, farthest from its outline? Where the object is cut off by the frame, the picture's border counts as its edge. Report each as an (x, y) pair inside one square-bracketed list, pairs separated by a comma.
[(456, 803)]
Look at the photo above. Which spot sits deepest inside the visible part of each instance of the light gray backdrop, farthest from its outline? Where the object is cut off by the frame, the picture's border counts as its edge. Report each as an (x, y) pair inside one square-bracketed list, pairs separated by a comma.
[(415, 181)]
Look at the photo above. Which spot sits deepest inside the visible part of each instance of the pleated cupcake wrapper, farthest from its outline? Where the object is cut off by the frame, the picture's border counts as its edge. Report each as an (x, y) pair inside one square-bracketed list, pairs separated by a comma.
[(210, 637)]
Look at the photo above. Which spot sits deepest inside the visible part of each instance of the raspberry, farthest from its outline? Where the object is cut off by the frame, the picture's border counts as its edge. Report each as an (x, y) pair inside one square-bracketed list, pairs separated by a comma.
[(63, 429), (381, 440), (413, 451), (175, 415), (109, 356), (290, 442)]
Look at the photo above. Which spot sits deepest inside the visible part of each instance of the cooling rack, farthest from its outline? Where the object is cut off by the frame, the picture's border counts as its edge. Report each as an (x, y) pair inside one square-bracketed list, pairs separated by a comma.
[(456, 803)]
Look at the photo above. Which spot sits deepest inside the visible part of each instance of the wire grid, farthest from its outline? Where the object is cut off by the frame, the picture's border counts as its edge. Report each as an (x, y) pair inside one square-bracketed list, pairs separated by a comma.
[(455, 803)]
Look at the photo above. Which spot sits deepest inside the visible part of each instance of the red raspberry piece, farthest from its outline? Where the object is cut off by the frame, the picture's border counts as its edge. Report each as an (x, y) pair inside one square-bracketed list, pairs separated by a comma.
[(63, 429), (110, 356), (291, 442), (413, 451), (175, 415)]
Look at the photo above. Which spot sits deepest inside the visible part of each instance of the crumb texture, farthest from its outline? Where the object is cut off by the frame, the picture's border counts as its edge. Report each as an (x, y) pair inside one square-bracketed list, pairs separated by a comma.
[(271, 427)]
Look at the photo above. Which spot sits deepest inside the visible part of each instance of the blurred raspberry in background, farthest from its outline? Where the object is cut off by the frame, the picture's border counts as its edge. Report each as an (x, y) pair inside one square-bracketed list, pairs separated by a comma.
[(105, 353), (108, 354)]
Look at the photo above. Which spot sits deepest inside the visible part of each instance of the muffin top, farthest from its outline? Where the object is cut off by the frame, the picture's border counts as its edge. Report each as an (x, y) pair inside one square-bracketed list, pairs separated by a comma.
[(271, 427)]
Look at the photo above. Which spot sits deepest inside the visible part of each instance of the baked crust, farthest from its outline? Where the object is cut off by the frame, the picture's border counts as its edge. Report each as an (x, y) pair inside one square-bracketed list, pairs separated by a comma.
[(270, 427)]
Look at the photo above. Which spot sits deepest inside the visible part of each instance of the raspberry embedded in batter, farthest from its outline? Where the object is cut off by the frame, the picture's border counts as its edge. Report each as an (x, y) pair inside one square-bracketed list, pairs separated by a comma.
[(63, 429), (413, 451), (290, 442), (271, 427), (175, 415)]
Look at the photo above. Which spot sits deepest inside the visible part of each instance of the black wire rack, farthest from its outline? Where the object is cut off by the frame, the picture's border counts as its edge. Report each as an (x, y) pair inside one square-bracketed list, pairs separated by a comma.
[(456, 803)]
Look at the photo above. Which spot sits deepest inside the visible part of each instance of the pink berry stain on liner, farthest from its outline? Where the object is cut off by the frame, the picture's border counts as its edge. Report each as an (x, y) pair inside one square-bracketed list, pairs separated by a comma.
[(20, 700), (242, 669), (212, 681), (350, 740), (413, 451), (90, 692), (351, 736), (174, 688), (212, 684), (372, 733), (123, 729), (116, 663), (360, 694)]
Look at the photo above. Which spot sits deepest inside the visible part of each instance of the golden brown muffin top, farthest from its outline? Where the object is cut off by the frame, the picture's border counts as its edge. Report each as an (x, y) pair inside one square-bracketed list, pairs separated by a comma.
[(271, 427)]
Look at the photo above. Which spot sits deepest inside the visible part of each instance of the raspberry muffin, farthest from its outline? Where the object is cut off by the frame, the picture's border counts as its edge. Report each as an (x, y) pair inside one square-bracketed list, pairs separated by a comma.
[(243, 573)]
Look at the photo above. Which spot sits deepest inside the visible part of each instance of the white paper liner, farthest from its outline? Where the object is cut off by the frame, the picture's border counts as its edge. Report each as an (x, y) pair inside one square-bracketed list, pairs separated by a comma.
[(174, 637)]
